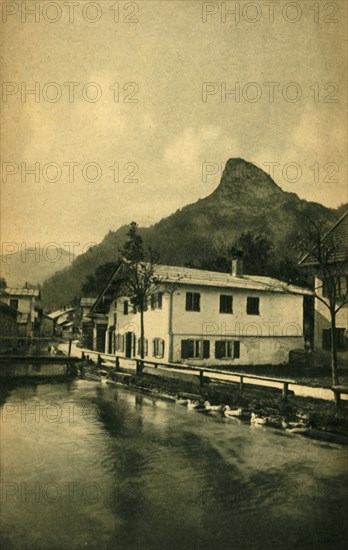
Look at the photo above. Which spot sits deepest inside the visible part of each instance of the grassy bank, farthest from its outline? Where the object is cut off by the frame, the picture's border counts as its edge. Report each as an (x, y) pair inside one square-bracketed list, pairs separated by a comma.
[(320, 416)]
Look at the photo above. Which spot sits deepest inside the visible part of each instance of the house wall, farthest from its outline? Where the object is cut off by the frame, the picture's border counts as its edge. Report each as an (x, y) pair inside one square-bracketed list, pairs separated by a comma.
[(264, 338), (8, 331), (25, 304), (280, 314), (322, 321), (47, 326)]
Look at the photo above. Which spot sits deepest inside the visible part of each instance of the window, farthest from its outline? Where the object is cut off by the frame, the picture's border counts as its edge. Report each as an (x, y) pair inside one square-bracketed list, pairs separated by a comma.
[(340, 339), (341, 286), (119, 342), (253, 306), (226, 304), (146, 346), (156, 300), (193, 301), (195, 349), (125, 307), (158, 347), (14, 304), (227, 349)]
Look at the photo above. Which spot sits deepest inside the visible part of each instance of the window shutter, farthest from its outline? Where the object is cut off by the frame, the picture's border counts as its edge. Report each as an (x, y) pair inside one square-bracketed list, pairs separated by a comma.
[(187, 348), (206, 349), (146, 346), (139, 345), (184, 349), (160, 296), (236, 349), (188, 301), (196, 302), (219, 349), (122, 343)]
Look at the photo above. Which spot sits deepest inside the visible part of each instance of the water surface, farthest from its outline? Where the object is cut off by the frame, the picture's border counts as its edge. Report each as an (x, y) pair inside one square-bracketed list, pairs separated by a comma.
[(85, 465)]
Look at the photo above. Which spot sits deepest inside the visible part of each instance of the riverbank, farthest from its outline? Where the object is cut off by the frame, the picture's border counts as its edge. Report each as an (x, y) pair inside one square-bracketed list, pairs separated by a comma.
[(310, 417)]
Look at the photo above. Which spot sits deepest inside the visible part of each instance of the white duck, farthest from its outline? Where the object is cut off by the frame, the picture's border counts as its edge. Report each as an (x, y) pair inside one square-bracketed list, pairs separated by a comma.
[(104, 376), (192, 405), (258, 420), (232, 413), (212, 408)]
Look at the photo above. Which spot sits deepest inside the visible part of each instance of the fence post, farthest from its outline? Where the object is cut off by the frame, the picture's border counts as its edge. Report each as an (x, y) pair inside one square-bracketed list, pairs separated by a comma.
[(69, 349), (241, 386), (99, 361), (285, 391), (201, 372), (117, 363)]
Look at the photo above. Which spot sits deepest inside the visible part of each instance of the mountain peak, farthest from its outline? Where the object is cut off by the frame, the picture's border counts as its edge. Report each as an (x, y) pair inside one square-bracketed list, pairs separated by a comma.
[(241, 176)]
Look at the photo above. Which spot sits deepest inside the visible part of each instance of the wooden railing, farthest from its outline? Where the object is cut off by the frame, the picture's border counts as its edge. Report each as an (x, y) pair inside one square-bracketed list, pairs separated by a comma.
[(203, 372)]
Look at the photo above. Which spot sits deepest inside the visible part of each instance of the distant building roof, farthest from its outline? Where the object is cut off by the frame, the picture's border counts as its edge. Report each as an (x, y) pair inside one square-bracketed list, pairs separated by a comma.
[(339, 235), (15, 291), (85, 301), (200, 277), (60, 312)]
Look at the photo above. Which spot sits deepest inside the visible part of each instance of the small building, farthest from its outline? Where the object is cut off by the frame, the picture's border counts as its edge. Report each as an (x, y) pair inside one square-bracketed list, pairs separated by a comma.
[(47, 326), (24, 301), (86, 304), (62, 317), (8, 328), (205, 318), (338, 236)]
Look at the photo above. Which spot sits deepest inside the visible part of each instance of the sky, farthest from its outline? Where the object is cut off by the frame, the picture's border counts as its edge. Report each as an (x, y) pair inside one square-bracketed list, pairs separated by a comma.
[(134, 115)]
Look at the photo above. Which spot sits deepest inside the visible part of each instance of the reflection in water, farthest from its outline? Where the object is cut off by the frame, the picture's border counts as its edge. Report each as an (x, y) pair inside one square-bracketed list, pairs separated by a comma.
[(89, 465)]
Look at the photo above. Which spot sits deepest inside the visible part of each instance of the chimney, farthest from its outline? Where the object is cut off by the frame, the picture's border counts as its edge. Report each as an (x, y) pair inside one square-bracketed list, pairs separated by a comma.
[(237, 264)]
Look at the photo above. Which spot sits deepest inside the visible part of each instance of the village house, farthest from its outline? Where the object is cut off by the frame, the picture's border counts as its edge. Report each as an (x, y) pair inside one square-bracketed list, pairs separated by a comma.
[(338, 235), (24, 301), (63, 320), (86, 304), (8, 328), (203, 318), (47, 326)]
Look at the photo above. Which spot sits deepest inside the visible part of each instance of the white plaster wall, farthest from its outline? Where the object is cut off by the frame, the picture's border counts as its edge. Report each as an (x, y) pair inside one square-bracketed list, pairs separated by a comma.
[(265, 339), (322, 318), (253, 351), (280, 314), (156, 323)]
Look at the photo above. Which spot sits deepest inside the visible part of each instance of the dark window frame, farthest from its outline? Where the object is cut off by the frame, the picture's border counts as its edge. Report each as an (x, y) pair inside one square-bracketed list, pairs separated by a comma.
[(195, 348), (253, 305), (227, 349), (193, 301), (226, 304)]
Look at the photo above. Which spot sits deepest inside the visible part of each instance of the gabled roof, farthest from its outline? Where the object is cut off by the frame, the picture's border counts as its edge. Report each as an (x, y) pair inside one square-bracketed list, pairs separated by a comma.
[(60, 312), (168, 274), (339, 234), (200, 277), (86, 301), (23, 292)]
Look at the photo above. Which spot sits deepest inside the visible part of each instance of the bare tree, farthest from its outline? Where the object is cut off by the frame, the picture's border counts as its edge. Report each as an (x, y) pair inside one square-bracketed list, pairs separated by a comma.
[(325, 256), (138, 276)]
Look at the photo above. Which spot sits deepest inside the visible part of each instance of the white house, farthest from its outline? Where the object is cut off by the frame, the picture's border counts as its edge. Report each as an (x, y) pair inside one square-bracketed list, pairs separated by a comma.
[(205, 318), (24, 300), (338, 236)]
